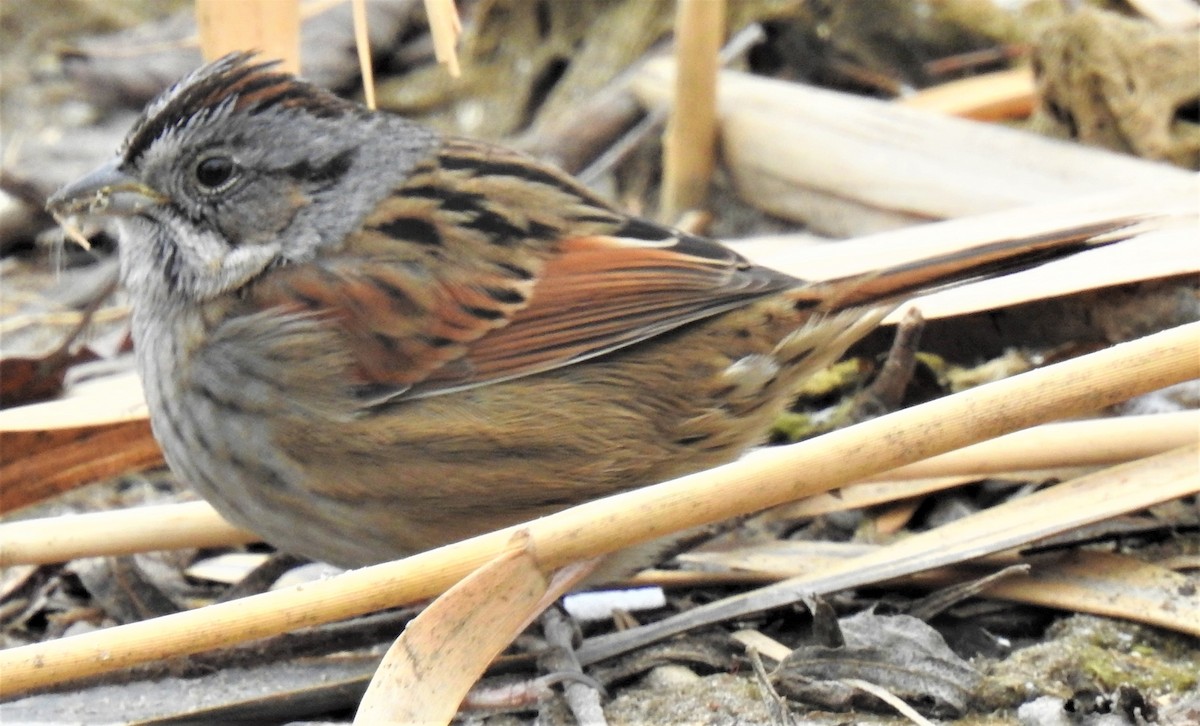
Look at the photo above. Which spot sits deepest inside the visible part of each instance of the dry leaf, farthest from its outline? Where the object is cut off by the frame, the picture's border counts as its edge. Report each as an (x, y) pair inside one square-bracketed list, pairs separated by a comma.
[(898, 652)]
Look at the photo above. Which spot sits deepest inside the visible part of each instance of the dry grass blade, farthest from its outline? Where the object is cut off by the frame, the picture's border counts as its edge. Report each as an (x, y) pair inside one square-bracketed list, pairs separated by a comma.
[(890, 699), (690, 144), (58, 460), (430, 668), (1077, 443), (445, 27), (869, 494), (99, 429), (763, 644), (362, 41), (1083, 581), (162, 527), (1121, 489), (269, 26), (892, 518), (1109, 584), (102, 402), (1065, 389), (985, 97)]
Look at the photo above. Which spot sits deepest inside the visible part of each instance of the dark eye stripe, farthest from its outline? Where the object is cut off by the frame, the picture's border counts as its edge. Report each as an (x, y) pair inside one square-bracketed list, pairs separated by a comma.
[(326, 174)]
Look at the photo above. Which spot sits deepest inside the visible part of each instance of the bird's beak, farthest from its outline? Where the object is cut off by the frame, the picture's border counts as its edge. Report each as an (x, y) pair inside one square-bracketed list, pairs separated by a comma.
[(106, 191)]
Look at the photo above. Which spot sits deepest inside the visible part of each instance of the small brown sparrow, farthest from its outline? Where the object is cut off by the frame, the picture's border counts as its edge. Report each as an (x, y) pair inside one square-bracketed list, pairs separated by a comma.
[(362, 339)]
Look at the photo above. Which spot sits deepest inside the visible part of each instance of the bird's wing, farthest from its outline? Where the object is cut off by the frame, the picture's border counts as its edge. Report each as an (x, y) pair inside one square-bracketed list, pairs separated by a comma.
[(487, 266)]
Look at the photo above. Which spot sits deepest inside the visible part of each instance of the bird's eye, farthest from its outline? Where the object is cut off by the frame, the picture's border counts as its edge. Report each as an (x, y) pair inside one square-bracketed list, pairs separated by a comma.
[(216, 173)]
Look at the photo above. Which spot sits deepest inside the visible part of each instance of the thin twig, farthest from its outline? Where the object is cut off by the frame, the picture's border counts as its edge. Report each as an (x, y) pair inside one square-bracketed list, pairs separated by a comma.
[(582, 695), (362, 41)]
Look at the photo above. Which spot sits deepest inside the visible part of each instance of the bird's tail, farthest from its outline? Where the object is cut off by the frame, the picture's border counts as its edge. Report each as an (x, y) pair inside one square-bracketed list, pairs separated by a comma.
[(985, 260)]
